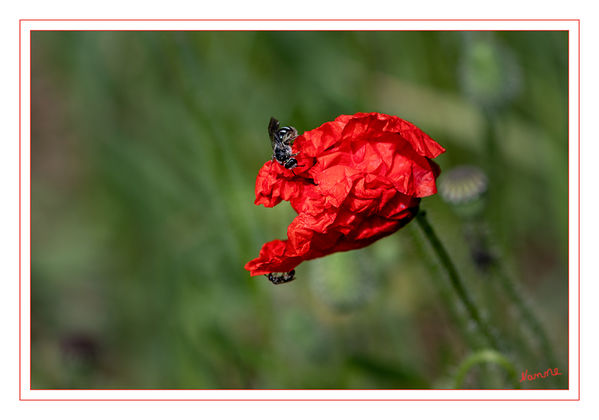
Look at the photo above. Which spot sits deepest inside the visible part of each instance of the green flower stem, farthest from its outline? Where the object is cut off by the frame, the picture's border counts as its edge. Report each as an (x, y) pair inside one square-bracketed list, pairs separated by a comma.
[(528, 317), (517, 298), (486, 356), (455, 280)]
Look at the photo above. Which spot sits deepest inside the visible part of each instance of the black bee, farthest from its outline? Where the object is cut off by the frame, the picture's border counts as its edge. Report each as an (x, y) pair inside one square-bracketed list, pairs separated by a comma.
[(279, 278), (281, 140)]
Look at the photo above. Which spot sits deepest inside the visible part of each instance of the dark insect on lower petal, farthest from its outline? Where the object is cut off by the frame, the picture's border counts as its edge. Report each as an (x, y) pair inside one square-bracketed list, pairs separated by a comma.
[(279, 278)]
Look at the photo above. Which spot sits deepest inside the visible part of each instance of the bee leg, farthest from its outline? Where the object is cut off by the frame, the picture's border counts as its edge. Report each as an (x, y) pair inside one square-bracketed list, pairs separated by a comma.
[(297, 166)]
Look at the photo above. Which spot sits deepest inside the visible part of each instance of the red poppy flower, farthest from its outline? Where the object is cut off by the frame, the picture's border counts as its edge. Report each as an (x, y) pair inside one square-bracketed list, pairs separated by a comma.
[(358, 178)]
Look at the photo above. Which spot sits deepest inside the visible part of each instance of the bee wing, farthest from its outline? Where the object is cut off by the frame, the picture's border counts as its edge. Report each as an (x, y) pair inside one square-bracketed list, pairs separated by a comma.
[(273, 128), (290, 136)]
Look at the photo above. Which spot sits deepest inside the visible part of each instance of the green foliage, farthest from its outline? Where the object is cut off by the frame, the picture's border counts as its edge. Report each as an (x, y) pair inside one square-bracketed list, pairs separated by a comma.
[(145, 149)]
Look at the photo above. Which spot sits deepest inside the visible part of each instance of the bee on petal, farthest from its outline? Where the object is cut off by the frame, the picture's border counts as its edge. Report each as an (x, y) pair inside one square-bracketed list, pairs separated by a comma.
[(279, 278), (281, 140)]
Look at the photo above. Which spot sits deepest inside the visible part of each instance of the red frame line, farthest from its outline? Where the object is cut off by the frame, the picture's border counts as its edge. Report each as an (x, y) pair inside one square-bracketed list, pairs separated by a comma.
[(578, 215), (301, 20), (20, 210), (294, 399), (289, 399)]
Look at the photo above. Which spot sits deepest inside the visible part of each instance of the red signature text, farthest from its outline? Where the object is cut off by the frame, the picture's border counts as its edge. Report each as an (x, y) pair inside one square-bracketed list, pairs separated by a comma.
[(532, 377)]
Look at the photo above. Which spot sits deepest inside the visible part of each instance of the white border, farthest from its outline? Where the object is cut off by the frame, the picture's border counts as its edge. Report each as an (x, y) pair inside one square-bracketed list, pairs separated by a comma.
[(573, 208), (271, 25), (571, 394)]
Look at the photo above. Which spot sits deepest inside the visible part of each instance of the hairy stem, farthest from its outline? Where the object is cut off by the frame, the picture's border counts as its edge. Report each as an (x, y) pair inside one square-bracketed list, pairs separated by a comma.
[(456, 281), (528, 317)]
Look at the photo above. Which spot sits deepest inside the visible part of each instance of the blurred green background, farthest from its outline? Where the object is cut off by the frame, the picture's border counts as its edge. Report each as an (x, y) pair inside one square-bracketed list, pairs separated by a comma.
[(145, 149)]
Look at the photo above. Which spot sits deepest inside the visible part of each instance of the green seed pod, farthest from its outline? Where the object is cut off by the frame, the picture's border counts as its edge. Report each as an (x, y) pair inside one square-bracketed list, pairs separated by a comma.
[(342, 280), (464, 187), (489, 73)]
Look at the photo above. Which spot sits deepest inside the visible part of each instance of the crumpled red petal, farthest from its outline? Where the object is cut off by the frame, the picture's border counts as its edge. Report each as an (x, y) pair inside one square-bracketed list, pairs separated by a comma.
[(359, 178)]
